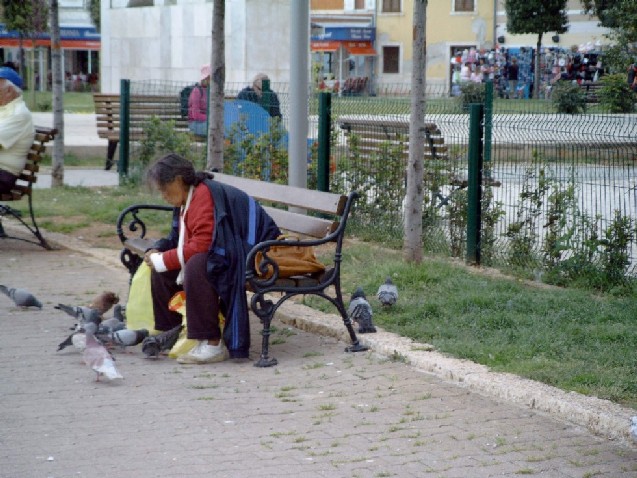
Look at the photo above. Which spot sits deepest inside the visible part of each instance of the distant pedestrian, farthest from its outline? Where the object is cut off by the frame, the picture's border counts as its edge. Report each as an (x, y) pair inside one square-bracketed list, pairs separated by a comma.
[(632, 77), (254, 93), (513, 72)]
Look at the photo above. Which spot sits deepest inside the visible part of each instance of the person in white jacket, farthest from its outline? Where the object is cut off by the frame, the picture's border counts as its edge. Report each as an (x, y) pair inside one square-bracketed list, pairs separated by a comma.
[(16, 129)]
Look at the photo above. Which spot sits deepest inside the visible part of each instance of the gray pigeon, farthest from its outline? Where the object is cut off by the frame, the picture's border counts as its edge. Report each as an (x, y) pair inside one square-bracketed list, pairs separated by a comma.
[(119, 312), (128, 337), (152, 346), (360, 312), (21, 297), (99, 359), (81, 313), (387, 292), (108, 326)]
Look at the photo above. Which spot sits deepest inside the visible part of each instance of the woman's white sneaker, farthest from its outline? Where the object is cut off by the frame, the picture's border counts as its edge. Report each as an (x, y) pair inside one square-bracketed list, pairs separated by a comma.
[(203, 352)]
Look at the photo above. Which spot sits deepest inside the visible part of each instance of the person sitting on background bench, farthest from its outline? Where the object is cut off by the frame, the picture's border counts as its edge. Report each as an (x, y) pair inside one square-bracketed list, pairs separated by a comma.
[(214, 227), (198, 104), (16, 129), (254, 93)]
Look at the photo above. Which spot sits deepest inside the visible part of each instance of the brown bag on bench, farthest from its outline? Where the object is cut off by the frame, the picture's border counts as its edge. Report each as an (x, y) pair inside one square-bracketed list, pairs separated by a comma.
[(292, 260)]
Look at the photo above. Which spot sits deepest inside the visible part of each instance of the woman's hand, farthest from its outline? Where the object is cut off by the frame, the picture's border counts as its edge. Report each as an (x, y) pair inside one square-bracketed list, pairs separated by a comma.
[(147, 259)]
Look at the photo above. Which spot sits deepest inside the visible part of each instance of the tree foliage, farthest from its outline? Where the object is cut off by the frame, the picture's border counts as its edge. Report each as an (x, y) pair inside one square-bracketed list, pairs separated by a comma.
[(618, 15), (94, 10), (536, 16), (27, 17)]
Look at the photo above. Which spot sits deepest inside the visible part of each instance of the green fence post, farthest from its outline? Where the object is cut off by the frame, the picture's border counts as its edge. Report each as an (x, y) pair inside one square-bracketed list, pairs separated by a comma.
[(324, 124), (474, 191), (124, 126), (488, 125)]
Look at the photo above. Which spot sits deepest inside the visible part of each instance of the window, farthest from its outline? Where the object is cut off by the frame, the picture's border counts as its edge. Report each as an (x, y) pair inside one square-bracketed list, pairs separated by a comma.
[(391, 6), (463, 5), (359, 4), (391, 59)]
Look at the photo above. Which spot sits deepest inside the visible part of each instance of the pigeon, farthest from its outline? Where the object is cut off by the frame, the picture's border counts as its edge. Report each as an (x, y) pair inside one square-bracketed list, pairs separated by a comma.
[(119, 312), (104, 302), (21, 297), (77, 336), (387, 292), (108, 326), (360, 312), (99, 359), (123, 337), (152, 346), (83, 314), (129, 337)]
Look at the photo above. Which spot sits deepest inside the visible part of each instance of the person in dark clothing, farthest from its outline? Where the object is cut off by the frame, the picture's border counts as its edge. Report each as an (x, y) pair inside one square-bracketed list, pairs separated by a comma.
[(632, 77), (214, 227), (254, 93), (513, 71)]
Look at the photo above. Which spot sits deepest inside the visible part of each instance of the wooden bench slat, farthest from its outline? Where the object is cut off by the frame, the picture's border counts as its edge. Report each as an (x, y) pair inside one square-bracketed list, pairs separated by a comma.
[(301, 224), (299, 197)]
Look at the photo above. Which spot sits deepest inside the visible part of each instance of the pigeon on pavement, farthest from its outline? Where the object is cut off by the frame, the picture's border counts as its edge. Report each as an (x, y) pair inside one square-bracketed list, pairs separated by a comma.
[(152, 346), (387, 292), (21, 297), (104, 302), (128, 337), (108, 326), (360, 311), (99, 359), (119, 313), (81, 313)]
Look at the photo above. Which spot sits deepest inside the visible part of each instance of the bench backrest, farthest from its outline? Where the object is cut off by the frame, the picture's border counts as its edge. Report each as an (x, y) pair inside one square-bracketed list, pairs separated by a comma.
[(28, 176), (375, 133), (329, 204), (141, 108)]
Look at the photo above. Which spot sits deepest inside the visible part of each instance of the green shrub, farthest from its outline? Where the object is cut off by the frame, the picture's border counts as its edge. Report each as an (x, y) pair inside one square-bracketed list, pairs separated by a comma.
[(615, 94), (470, 93), (568, 98)]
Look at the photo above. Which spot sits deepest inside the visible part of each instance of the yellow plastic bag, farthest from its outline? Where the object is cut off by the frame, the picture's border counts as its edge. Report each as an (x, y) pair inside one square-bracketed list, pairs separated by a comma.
[(184, 344), (139, 308)]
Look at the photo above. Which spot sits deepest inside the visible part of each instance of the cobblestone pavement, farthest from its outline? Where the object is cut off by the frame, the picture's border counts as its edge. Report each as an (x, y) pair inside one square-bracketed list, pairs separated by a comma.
[(320, 413)]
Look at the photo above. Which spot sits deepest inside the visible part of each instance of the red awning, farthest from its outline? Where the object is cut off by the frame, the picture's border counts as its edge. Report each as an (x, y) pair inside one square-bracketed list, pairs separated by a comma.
[(329, 46), (65, 44), (363, 48)]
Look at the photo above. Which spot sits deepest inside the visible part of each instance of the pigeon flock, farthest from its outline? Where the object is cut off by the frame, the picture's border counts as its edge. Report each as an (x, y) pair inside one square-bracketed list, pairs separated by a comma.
[(94, 334)]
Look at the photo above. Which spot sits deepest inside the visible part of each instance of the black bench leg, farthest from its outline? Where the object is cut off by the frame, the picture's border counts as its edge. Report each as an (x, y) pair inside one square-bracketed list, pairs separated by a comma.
[(264, 309), (112, 146)]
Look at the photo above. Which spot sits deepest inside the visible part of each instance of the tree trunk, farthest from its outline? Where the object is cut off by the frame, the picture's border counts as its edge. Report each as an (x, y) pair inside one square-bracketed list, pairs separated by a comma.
[(538, 75), (57, 173), (217, 84), (412, 245)]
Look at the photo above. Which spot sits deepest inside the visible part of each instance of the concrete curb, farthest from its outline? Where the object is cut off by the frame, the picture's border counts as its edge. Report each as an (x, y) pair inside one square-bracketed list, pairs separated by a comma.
[(602, 417)]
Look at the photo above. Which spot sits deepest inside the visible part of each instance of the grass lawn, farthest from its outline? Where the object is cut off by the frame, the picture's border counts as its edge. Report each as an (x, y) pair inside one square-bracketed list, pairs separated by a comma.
[(572, 339)]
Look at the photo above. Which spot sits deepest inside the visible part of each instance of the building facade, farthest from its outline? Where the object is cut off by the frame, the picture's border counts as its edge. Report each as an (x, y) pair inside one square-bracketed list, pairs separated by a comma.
[(170, 40)]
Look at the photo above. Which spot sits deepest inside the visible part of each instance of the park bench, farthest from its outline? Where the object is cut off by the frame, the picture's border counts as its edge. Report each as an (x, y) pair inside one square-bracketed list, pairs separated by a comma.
[(590, 90), (24, 188), (374, 134), (316, 218), (141, 109)]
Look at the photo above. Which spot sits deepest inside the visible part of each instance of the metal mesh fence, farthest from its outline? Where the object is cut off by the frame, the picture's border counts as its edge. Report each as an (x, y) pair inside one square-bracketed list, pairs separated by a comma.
[(559, 190)]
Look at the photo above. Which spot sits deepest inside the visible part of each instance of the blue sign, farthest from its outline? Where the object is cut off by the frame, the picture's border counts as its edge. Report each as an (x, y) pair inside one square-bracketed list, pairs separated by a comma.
[(66, 33), (347, 34)]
